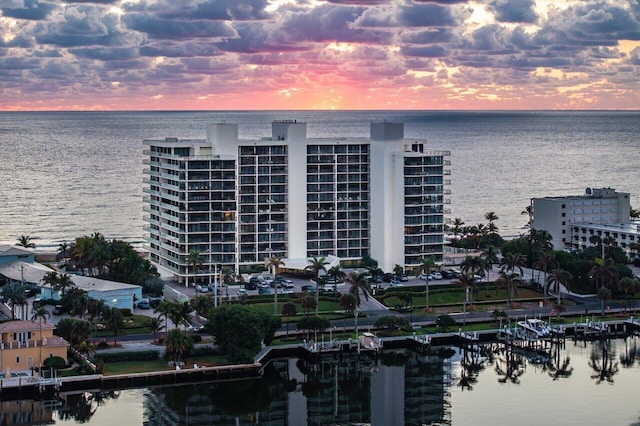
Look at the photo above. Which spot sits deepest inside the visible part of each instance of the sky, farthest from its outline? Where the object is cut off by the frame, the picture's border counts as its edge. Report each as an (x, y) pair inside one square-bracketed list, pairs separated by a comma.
[(325, 55)]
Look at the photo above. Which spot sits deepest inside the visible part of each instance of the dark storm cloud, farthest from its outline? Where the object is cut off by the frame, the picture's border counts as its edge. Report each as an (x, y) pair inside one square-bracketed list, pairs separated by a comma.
[(178, 49), (105, 53), (84, 25), (160, 28), (359, 2), (15, 66), (327, 23), (514, 10), (426, 15), (441, 1), (437, 35), (31, 10), (592, 23), (222, 10), (433, 51)]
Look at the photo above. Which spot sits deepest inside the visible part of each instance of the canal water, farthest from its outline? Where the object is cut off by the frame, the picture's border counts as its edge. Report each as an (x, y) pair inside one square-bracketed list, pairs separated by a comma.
[(580, 383)]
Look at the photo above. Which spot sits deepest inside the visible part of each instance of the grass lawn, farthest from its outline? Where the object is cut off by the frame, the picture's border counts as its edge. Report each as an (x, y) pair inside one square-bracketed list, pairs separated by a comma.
[(324, 307), (130, 367)]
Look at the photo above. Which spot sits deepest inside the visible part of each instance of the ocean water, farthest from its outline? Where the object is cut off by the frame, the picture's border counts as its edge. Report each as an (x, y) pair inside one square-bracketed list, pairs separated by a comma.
[(67, 174)]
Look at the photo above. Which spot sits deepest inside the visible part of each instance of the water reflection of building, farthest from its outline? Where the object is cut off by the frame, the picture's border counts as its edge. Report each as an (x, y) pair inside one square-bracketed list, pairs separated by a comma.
[(336, 390), (411, 389), (26, 412)]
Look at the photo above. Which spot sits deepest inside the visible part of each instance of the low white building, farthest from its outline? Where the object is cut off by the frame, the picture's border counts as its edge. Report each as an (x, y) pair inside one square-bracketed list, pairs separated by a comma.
[(15, 267), (623, 234), (558, 215), (114, 294)]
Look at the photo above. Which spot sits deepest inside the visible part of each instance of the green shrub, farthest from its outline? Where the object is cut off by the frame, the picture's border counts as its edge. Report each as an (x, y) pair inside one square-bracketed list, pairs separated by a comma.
[(149, 355), (126, 312), (196, 338), (391, 322), (55, 362), (102, 345), (205, 351), (444, 322)]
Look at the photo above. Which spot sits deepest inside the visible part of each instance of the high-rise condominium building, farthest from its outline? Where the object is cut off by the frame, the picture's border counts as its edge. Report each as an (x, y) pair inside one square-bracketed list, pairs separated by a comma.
[(237, 202)]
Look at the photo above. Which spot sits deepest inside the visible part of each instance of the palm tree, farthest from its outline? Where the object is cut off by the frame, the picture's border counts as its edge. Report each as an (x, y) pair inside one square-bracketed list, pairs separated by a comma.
[(25, 241), (513, 261), (510, 282), (603, 272), (155, 326), (64, 281), (164, 308), (557, 279), (337, 274), (628, 285), (80, 304), (179, 314), (114, 322), (86, 349), (317, 264), (14, 293), (176, 344), (289, 310), (274, 263), (40, 314), (528, 211), (604, 294), (99, 255), (202, 305), (490, 257), (491, 217), (456, 227), (347, 302), (95, 308), (467, 281), (51, 279), (195, 262), (359, 285), (546, 261), (307, 303), (62, 250), (426, 265)]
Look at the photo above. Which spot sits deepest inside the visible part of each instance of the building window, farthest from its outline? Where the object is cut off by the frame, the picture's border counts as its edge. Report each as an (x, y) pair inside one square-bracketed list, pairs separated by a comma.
[(564, 223), (564, 231), (563, 214), (17, 360), (564, 206)]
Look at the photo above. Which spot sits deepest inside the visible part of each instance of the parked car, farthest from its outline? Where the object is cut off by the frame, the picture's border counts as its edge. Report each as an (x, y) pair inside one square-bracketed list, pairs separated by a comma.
[(436, 276), (396, 283), (59, 310), (447, 275), (202, 288), (387, 278), (251, 285), (37, 303), (285, 282), (308, 288), (402, 277), (264, 290), (144, 304), (242, 292)]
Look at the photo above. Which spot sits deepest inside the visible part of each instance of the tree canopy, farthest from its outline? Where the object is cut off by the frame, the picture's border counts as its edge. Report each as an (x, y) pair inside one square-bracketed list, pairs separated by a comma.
[(241, 329)]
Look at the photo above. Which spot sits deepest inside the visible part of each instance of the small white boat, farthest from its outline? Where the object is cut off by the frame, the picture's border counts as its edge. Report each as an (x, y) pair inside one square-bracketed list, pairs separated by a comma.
[(537, 327)]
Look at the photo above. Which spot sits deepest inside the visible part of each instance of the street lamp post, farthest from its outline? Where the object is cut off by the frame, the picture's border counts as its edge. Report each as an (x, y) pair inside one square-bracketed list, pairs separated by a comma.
[(464, 306), (215, 285)]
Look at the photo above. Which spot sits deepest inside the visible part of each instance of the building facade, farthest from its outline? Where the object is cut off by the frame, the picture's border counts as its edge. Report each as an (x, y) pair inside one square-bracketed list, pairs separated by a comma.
[(560, 215), (25, 345), (237, 202)]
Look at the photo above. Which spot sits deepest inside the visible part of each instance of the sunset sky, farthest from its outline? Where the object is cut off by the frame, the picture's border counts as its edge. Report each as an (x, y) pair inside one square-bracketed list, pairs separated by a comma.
[(311, 54)]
